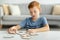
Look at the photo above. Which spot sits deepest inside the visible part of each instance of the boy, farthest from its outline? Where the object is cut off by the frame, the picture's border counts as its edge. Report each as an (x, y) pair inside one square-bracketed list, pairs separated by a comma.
[(32, 24)]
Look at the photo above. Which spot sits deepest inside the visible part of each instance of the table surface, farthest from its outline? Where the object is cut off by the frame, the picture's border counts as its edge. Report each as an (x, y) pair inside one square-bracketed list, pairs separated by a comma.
[(50, 35)]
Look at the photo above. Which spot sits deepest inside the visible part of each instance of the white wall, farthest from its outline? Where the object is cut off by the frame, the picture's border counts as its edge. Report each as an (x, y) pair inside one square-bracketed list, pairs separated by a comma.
[(27, 1)]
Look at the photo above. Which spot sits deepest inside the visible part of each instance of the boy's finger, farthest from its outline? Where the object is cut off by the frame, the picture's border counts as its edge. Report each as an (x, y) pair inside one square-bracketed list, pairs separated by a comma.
[(11, 31), (14, 30), (8, 30), (30, 31)]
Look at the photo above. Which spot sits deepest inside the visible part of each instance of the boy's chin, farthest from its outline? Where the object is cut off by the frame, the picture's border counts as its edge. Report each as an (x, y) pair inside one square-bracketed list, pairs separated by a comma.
[(33, 17)]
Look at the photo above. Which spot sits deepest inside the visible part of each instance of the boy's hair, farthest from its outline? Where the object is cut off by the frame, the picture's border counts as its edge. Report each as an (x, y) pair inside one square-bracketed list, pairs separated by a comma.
[(34, 4)]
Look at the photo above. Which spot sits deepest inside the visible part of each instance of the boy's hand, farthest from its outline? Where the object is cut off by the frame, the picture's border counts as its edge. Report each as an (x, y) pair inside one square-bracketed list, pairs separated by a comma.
[(12, 30), (32, 30)]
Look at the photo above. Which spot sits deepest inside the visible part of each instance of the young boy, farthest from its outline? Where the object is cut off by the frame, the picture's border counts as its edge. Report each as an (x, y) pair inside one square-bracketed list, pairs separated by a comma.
[(32, 24)]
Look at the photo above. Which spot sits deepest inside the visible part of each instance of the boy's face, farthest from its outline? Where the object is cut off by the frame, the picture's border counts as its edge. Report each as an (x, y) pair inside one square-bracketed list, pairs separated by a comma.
[(34, 12)]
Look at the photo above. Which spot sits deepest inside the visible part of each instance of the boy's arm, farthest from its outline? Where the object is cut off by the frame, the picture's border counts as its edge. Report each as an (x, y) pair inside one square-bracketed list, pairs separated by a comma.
[(17, 27), (45, 28), (14, 29)]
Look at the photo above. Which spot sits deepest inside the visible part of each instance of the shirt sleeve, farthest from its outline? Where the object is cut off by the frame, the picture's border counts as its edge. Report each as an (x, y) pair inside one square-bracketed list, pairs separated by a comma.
[(44, 21), (23, 23)]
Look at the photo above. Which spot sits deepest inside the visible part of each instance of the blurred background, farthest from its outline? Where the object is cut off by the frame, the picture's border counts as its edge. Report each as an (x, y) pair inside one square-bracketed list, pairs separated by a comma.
[(12, 12)]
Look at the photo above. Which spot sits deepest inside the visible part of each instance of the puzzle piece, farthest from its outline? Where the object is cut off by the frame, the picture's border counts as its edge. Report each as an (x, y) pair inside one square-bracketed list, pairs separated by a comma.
[(33, 34), (8, 36), (25, 36), (20, 33)]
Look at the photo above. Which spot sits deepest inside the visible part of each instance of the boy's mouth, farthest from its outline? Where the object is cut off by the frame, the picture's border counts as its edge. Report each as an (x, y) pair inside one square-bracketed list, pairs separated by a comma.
[(33, 16)]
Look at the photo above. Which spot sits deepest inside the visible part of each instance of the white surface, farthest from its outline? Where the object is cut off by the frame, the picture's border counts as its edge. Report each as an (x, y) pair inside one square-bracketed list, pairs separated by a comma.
[(51, 35)]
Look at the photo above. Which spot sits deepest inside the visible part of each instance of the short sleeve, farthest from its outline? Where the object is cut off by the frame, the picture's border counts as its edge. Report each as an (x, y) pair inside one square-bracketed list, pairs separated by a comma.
[(23, 23), (44, 21)]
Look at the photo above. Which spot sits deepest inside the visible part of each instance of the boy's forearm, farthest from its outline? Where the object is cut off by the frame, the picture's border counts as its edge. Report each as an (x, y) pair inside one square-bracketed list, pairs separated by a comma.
[(42, 29), (45, 28), (17, 27)]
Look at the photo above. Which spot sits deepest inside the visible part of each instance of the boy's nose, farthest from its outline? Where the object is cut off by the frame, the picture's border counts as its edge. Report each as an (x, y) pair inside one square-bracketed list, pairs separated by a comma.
[(32, 13)]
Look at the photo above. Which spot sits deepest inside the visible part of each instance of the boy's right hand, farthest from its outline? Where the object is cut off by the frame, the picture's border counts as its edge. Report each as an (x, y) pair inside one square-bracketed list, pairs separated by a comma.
[(12, 30)]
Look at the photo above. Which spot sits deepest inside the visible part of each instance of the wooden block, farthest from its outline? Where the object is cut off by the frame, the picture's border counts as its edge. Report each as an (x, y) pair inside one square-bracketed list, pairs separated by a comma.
[(25, 36)]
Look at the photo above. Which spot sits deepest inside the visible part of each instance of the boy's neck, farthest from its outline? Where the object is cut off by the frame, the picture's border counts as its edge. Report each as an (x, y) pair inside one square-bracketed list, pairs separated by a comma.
[(34, 19)]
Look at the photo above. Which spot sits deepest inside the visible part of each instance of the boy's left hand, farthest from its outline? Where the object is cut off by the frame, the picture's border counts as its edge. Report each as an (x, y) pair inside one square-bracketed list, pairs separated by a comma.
[(32, 30)]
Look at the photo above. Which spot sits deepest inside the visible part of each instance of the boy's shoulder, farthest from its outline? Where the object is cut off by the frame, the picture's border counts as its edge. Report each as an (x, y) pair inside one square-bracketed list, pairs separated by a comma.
[(43, 17)]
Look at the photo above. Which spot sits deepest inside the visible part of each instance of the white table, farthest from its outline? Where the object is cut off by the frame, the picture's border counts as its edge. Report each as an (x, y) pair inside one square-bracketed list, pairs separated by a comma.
[(50, 35)]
